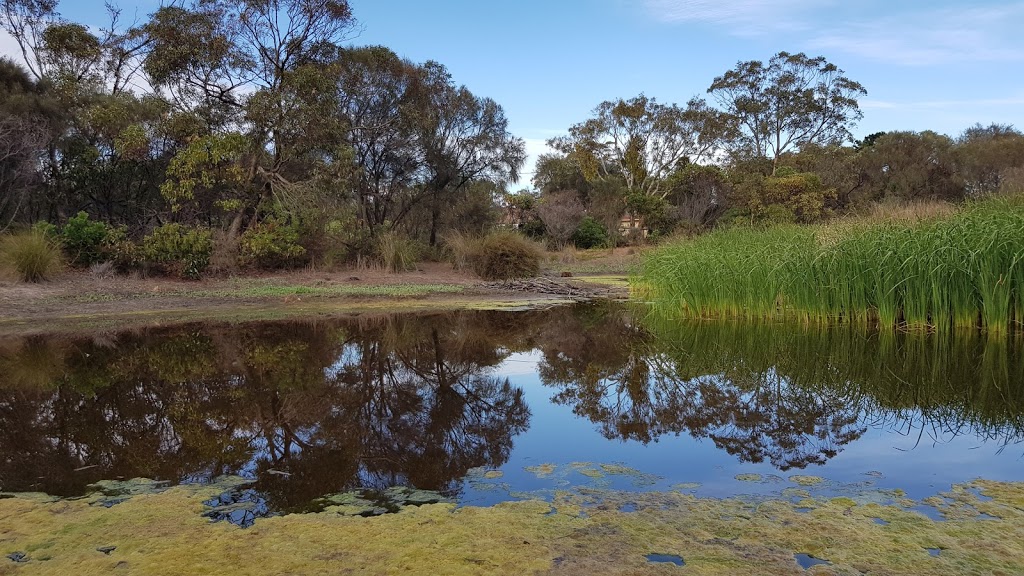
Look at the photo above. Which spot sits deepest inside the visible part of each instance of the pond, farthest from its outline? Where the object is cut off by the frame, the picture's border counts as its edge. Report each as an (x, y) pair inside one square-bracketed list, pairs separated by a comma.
[(478, 407)]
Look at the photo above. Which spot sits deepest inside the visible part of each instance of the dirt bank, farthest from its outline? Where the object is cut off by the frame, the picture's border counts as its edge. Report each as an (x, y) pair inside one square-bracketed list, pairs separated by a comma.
[(79, 300)]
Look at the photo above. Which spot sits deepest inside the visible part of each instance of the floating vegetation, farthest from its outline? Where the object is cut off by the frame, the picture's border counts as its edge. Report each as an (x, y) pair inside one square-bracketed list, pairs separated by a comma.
[(964, 270), (731, 536), (806, 480)]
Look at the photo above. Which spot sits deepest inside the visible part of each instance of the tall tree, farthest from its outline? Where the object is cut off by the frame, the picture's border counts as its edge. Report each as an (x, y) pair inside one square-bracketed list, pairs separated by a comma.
[(241, 64), (465, 138), (792, 101), (642, 141)]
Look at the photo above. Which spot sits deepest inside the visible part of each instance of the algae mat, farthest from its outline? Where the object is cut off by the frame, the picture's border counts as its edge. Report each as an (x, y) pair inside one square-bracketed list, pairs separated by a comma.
[(980, 531)]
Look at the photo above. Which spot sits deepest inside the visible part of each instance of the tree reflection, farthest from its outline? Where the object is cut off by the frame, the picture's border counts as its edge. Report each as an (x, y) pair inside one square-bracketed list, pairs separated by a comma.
[(312, 408), (307, 409), (792, 396)]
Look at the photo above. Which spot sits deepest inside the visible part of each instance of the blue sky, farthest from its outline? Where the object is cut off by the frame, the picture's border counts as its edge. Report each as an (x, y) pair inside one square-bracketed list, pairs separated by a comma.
[(940, 64)]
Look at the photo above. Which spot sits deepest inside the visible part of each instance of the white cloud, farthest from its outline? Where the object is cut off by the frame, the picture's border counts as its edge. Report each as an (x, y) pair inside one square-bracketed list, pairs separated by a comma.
[(744, 17), (932, 37), (897, 34), (942, 104)]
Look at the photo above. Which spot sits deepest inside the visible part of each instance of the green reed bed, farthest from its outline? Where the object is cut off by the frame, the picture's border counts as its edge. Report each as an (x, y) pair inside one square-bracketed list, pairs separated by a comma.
[(965, 270)]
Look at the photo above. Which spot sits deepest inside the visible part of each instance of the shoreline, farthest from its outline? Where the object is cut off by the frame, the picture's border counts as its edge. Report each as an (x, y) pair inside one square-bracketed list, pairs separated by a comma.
[(79, 301)]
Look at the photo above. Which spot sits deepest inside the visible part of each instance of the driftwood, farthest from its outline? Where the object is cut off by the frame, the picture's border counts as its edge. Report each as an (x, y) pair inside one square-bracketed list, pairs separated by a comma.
[(559, 287)]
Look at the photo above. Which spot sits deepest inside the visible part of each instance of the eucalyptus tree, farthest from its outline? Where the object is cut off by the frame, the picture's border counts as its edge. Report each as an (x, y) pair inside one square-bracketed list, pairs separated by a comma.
[(791, 101), (416, 138), (242, 67), (465, 138), (642, 141)]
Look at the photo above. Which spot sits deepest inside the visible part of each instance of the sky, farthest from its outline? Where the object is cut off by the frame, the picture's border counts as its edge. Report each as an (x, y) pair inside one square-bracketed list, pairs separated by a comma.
[(940, 65)]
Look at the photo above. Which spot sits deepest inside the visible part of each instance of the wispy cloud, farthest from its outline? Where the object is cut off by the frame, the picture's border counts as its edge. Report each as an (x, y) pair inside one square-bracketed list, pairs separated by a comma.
[(916, 35), (942, 104), (936, 37), (746, 17)]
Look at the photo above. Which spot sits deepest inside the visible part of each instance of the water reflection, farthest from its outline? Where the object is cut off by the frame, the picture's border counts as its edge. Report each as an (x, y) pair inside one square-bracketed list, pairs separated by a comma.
[(308, 409), (318, 407), (789, 395)]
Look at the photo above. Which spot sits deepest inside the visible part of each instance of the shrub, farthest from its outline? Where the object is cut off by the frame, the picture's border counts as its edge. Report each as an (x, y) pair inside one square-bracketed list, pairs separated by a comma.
[(84, 239), (590, 234), (396, 253), (31, 256), (505, 255), (177, 250), (47, 230), (121, 252), (271, 244)]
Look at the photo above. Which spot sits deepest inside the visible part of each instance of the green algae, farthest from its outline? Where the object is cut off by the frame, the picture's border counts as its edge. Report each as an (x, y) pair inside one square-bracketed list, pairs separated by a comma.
[(806, 480), (163, 532), (748, 477), (541, 470)]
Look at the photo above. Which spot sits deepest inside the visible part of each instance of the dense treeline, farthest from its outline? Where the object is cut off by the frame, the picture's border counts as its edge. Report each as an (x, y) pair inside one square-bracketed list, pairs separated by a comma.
[(773, 146), (251, 133), (247, 119)]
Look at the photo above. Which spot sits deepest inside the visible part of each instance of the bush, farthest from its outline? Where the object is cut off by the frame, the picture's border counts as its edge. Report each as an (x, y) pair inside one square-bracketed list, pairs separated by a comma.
[(177, 250), (590, 234), (31, 256), (506, 255), (84, 239), (121, 252), (271, 244), (396, 253)]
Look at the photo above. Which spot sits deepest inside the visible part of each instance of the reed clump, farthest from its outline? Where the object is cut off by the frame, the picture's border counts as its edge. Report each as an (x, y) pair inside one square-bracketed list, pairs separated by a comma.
[(964, 269)]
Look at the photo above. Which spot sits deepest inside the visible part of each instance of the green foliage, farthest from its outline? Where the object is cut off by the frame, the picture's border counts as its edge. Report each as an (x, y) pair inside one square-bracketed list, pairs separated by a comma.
[(963, 270), (208, 165), (396, 253), (31, 256), (654, 211), (789, 196), (178, 250), (121, 251), (271, 244), (505, 255), (84, 239), (590, 234), (47, 230)]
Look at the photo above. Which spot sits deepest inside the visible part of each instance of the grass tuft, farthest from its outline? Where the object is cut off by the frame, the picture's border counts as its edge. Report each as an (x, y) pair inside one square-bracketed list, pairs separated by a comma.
[(30, 256), (506, 255), (397, 253)]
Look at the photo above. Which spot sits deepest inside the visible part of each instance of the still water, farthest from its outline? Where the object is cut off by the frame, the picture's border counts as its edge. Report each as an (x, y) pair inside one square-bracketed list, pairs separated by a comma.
[(487, 406)]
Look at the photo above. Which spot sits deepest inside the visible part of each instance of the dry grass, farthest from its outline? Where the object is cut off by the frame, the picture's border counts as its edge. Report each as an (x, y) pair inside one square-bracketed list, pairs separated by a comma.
[(907, 212), (30, 257)]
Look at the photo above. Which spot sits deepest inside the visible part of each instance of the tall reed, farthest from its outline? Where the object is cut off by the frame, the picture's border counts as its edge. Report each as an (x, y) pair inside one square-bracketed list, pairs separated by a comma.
[(963, 269)]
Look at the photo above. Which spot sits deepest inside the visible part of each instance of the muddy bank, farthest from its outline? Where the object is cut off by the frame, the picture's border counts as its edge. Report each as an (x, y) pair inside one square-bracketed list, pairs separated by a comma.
[(82, 302)]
